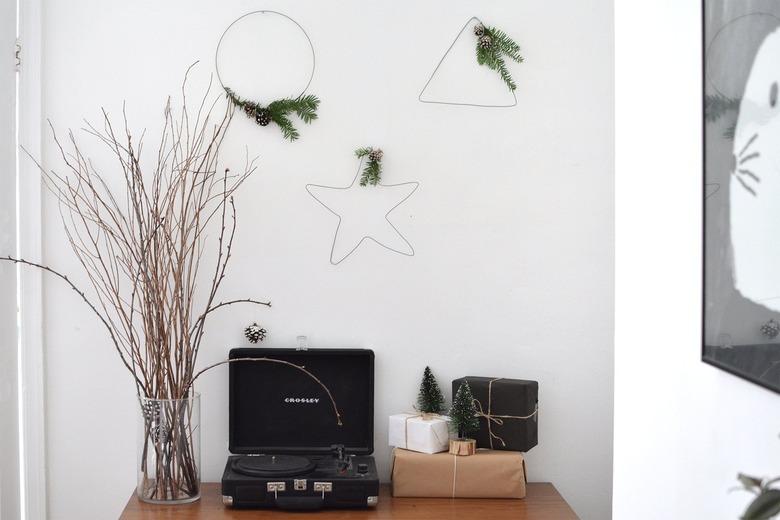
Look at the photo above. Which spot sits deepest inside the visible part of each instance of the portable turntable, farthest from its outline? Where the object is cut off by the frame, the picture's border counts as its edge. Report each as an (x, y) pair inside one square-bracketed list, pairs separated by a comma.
[(288, 449)]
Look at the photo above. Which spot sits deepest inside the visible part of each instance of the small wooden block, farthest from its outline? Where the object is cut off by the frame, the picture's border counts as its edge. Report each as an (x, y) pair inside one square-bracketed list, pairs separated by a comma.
[(463, 447)]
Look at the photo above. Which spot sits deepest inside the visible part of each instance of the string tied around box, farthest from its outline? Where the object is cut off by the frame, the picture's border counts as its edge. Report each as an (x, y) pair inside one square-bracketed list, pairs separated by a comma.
[(426, 416), (497, 419)]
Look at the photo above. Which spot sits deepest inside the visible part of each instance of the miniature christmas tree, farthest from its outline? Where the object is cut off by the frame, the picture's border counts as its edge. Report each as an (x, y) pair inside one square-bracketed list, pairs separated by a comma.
[(463, 414), (430, 398)]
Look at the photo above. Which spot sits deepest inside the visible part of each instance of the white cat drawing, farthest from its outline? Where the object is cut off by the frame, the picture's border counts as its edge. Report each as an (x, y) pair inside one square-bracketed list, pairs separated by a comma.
[(754, 188)]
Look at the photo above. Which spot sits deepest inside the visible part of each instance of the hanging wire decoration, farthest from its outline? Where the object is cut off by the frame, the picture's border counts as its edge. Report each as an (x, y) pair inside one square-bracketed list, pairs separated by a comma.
[(491, 46), (403, 190), (278, 111)]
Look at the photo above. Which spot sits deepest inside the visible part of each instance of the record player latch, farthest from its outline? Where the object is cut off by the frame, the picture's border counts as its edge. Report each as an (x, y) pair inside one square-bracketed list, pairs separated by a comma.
[(275, 487), (325, 487)]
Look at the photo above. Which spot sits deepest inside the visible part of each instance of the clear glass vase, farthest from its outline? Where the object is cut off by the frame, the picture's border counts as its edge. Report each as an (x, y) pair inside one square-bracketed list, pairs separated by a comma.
[(169, 450)]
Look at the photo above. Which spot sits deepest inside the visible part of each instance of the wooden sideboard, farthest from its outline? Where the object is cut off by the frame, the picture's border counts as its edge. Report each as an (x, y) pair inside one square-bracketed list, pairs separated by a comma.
[(543, 502)]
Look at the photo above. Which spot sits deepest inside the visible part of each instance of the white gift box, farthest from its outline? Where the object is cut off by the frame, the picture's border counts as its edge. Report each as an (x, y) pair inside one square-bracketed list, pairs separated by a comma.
[(418, 432)]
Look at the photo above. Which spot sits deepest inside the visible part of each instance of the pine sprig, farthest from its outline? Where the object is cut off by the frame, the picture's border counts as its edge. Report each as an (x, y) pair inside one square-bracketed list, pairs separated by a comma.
[(305, 107), (372, 172), (492, 45)]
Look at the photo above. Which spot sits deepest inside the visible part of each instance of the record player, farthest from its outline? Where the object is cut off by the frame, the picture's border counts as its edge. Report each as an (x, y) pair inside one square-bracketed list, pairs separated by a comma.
[(288, 449)]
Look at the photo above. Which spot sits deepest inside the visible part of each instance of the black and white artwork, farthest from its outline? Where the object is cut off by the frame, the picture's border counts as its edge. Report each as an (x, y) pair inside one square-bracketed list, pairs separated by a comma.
[(741, 188)]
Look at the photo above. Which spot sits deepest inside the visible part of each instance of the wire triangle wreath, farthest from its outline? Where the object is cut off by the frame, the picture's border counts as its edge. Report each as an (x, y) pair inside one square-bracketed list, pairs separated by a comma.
[(492, 45)]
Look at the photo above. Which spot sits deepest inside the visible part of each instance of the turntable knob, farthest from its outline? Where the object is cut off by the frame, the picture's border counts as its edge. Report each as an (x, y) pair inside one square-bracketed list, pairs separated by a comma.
[(362, 468)]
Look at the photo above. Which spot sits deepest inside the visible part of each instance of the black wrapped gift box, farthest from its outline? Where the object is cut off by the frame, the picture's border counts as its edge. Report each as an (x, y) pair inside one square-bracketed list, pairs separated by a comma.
[(508, 412)]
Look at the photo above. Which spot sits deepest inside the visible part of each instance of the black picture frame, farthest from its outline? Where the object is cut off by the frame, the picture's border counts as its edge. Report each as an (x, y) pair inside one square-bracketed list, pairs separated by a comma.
[(744, 359)]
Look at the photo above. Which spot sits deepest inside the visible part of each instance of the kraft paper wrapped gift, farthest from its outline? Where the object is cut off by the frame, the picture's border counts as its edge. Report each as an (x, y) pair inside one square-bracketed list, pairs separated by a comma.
[(419, 432), (487, 474)]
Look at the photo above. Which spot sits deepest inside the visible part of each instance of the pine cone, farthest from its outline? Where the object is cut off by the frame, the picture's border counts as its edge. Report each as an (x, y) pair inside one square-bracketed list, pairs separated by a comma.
[(263, 117), (249, 110), (770, 329), (479, 29), (375, 155), (255, 333), (485, 42)]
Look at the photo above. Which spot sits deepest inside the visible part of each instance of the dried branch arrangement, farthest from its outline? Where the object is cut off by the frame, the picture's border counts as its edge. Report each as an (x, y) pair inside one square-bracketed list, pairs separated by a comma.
[(140, 229), (141, 241)]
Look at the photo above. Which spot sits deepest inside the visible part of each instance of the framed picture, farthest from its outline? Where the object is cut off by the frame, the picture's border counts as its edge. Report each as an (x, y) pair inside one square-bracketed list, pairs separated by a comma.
[(741, 188)]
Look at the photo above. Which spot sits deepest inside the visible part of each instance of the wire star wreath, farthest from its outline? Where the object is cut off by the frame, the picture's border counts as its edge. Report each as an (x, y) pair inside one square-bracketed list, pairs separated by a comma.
[(405, 189), (278, 111)]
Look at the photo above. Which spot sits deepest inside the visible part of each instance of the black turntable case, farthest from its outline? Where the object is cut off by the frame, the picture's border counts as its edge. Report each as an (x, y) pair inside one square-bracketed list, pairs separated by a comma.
[(276, 409)]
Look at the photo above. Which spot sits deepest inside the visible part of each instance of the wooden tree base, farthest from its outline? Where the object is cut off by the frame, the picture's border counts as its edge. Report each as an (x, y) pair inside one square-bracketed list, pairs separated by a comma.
[(463, 447)]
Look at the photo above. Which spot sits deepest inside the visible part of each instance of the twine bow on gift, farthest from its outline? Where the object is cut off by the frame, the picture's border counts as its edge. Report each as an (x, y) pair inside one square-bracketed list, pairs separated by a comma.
[(426, 417), (497, 419)]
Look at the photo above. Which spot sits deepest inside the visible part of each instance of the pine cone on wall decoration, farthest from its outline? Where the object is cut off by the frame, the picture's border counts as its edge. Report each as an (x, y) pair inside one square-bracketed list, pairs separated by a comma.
[(770, 329), (486, 42), (255, 333), (479, 29), (376, 154), (263, 117)]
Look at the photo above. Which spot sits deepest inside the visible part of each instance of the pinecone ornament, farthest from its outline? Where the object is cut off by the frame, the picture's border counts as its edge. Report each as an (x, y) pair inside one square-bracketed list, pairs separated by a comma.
[(485, 42), (479, 29), (770, 329), (375, 155), (249, 110), (263, 117), (255, 333)]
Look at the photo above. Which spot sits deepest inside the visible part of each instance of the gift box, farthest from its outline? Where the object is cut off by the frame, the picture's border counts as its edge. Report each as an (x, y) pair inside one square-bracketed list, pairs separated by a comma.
[(508, 412), (487, 474), (426, 433)]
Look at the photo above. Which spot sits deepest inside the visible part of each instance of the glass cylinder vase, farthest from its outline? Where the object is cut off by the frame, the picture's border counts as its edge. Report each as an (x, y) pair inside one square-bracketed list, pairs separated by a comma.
[(169, 450)]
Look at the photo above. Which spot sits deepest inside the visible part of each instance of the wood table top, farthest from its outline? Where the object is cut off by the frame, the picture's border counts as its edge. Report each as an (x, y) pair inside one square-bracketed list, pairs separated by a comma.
[(542, 502)]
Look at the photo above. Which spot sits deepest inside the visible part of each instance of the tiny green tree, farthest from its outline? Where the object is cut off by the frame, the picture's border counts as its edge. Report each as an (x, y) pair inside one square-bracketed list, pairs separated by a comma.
[(430, 399), (463, 414)]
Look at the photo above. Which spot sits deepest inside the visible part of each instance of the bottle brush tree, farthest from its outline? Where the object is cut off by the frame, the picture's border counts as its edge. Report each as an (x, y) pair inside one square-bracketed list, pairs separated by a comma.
[(463, 414), (430, 399)]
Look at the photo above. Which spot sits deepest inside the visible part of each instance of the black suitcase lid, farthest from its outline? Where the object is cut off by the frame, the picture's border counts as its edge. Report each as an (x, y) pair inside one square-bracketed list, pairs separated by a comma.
[(277, 408)]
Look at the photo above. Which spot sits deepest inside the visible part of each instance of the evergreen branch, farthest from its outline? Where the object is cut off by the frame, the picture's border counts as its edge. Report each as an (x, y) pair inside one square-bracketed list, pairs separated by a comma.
[(497, 45), (506, 44), (285, 125), (372, 171), (504, 72), (305, 107), (371, 174)]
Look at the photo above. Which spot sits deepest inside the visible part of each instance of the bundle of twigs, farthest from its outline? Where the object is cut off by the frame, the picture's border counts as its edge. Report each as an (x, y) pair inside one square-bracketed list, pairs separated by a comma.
[(139, 229), (141, 243)]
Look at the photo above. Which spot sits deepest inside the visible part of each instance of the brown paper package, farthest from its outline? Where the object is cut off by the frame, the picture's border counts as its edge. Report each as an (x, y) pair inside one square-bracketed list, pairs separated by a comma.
[(487, 474)]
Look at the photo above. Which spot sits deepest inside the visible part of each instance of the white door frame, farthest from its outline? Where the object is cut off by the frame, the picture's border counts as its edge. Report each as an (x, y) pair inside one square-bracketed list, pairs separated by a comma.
[(30, 284), (10, 499)]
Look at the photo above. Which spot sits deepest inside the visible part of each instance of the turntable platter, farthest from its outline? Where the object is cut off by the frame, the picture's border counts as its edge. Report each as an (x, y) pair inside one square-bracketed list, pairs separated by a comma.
[(273, 465)]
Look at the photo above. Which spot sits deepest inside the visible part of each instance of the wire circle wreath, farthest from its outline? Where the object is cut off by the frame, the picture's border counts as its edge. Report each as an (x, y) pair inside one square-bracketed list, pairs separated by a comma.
[(438, 65), (303, 105)]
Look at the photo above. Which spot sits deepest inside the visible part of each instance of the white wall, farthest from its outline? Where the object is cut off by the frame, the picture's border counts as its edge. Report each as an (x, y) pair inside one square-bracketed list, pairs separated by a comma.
[(683, 429), (512, 224)]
